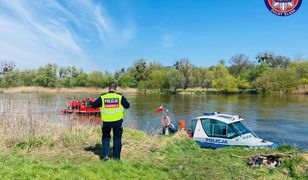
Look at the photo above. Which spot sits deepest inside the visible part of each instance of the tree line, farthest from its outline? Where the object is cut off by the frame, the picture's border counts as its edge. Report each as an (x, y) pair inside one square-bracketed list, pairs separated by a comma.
[(267, 74)]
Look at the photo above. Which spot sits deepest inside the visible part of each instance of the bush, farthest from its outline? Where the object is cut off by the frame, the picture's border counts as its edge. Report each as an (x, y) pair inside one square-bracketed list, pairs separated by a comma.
[(276, 80), (46, 76), (127, 81)]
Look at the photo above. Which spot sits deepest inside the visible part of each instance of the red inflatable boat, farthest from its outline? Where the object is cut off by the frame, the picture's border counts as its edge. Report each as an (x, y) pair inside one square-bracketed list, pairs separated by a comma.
[(81, 107)]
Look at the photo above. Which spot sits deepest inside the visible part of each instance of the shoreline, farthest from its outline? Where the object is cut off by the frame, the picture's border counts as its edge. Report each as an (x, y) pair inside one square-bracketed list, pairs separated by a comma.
[(301, 90), (33, 89)]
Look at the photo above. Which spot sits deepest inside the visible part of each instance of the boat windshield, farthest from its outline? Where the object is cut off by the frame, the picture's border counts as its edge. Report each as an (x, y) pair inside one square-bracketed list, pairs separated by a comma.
[(215, 128), (240, 128)]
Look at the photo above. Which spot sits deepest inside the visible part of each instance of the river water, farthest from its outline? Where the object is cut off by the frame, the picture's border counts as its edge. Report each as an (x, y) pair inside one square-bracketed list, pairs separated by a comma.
[(279, 118)]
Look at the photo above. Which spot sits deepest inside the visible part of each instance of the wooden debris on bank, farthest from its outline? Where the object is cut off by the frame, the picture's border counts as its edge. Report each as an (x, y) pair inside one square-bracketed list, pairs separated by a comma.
[(271, 161)]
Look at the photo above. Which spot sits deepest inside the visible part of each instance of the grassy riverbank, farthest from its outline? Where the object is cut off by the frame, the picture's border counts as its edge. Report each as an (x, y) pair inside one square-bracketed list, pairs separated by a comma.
[(75, 155)]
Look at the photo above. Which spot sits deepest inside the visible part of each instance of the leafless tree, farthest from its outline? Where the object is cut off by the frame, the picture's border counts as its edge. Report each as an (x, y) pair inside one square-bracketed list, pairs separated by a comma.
[(238, 63), (6, 66)]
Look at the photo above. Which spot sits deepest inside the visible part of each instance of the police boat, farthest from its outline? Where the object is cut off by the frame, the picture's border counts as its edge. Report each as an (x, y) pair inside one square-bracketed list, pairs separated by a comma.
[(216, 130)]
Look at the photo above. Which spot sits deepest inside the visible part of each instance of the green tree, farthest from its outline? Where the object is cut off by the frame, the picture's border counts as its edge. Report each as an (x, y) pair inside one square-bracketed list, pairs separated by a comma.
[(80, 80), (139, 70), (276, 80), (108, 78), (256, 71), (272, 60), (46, 76), (127, 81), (6, 67), (223, 80), (154, 66), (158, 80), (242, 84), (27, 77), (11, 79), (97, 79), (66, 76), (195, 78), (119, 74), (301, 69), (175, 79), (199, 77), (144, 85), (184, 66)]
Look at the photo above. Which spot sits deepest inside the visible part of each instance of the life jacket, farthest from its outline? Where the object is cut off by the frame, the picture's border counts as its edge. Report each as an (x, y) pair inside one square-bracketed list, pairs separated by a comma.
[(112, 109)]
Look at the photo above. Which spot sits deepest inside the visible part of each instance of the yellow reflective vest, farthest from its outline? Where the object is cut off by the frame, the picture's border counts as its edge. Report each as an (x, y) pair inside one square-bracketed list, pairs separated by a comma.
[(112, 109)]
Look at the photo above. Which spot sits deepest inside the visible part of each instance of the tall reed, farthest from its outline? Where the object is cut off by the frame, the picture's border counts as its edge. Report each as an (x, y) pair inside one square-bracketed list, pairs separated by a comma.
[(24, 118)]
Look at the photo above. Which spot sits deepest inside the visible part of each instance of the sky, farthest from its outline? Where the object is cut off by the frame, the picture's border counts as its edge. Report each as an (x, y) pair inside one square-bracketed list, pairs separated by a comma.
[(113, 34)]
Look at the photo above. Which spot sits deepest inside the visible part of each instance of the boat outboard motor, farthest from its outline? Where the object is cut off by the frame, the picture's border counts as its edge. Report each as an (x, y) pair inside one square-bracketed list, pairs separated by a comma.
[(171, 128)]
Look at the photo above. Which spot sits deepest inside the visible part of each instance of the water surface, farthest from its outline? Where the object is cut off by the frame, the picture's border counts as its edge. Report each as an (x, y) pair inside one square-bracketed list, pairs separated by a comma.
[(278, 118)]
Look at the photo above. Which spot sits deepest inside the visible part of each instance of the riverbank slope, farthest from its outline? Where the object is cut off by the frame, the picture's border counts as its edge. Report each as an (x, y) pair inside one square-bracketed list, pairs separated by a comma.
[(75, 155)]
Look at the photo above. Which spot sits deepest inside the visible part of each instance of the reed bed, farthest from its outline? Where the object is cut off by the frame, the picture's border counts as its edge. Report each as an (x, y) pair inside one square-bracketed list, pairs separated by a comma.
[(21, 119), (36, 89), (28, 118)]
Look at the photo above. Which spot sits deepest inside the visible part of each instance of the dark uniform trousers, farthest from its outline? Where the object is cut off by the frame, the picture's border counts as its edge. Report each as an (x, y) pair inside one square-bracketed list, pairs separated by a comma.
[(117, 128)]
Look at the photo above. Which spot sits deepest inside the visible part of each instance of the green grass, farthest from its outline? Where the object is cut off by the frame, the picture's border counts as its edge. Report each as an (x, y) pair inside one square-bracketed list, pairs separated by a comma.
[(75, 155)]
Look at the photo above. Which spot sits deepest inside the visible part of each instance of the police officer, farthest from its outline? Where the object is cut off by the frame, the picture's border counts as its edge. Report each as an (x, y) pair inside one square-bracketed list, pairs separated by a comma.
[(112, 106)]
